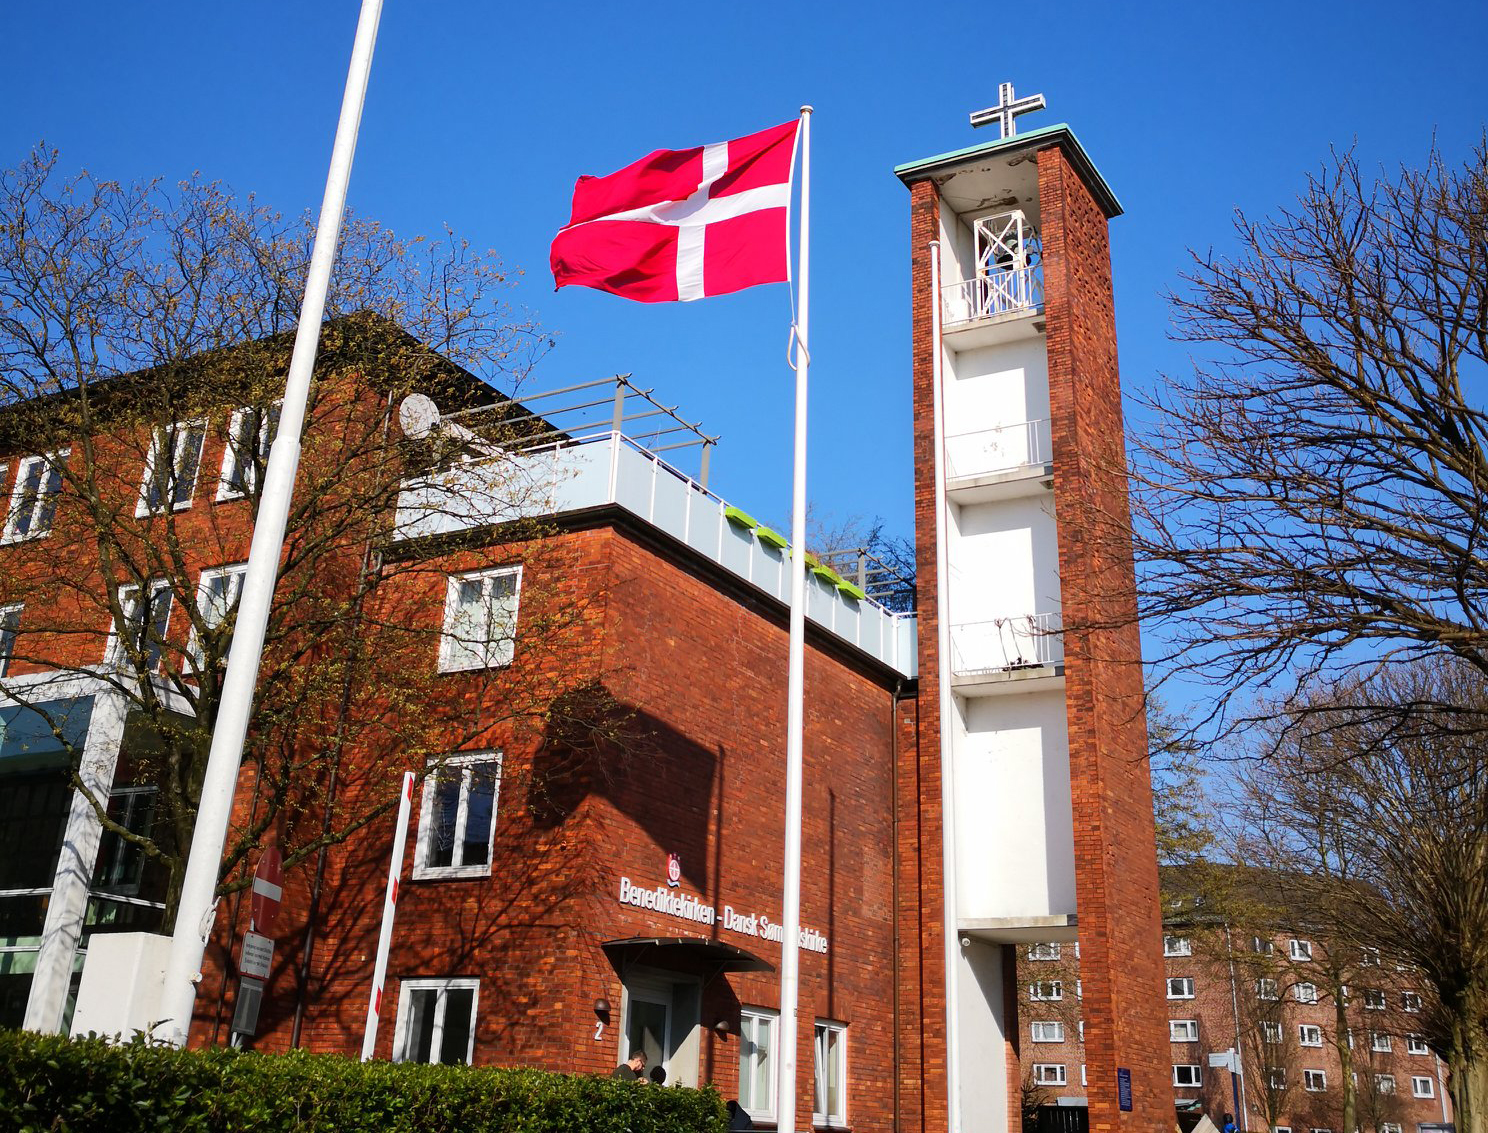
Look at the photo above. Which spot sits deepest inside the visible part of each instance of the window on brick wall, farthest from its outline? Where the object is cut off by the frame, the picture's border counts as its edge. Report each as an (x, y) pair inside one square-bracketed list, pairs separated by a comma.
[(10, 626), (250, 435), (1370, 958), (33, 500), (457, 823), (1389, 1127), (1081, 1026), (1187, 1074), (1180, 987), (480, 620), (1183, 1030), (1380, 1042), (1299, 949), (1384, 1083), (1046, 990), (1415, 1044), (757, 1030), (829, 1079), (171, 468), (1048, 1073), (1281, 1129), (1262, 945), (144, 622), (217, 603), (1276, 1077), (1305, 993), (1308, 1035), (1374, 999), (1047, 1032), (1410, 1001), (1177, 946), (1046, 951), (1271, 1032), (1314, 1080), (1422, 1086), (436, 1021), (1266, 989)]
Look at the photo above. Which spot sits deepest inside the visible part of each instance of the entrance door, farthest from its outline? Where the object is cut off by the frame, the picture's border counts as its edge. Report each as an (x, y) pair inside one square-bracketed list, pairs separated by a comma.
[(661, 1018)]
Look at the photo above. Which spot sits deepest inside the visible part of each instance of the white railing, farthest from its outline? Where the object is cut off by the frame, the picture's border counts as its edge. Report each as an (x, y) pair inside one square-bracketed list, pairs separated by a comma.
[(1000, 293), (999, 450), (1006, 644)]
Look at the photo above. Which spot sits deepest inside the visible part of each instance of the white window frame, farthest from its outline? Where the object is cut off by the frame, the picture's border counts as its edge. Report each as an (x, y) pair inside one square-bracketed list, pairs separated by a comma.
[(182, 432), (1384, 1083), (1267, 989), (824, 1028), (406, 988), (51, 478), (1049, 1074), (1281, 1129), (1380, 1042), (1262, 946), (1080, 1028), (1183, 1030), (1276, 1077), (114, 653), (497, 651), (1189, 1070), (1046, 1031), (1423, 1086), (462, 761), (769, 1019), (1185, 984), (10, 632), (1389, 1127), (1045, 950), (1369, 956), (1055, 991), (1177, 946), (1305, 992), (234, 573), (1082, 1075), (1415, 1044), (232, 455), (1300, 950), (1314, 1081), (1374, 999), (1410, 1001), (1270, 1032), (1309, 1034)]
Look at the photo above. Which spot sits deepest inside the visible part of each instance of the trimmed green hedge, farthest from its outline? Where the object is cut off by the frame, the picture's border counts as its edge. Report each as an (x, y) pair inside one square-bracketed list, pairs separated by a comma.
[(64, 1086)]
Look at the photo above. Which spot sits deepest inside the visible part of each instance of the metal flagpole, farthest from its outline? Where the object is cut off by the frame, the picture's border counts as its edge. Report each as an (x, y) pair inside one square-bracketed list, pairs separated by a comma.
[(389, 910), (197, 907), (790, 917)]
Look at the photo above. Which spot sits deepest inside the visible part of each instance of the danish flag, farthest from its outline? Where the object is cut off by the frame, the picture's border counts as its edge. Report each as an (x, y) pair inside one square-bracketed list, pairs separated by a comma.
[(684, 224)]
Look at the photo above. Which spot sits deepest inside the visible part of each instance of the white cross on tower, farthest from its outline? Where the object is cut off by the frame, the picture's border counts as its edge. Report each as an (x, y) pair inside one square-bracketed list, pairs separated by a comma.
[(1007, 109)]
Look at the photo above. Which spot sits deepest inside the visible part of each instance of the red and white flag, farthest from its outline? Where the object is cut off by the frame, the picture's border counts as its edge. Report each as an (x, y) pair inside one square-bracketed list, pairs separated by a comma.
[(684, 224)]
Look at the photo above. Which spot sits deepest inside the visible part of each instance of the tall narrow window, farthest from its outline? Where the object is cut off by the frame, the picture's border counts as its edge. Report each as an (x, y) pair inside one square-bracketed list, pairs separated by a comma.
[(458, 821), (145, 622), (436, 1021), (250, 435), (33, 501), (757, 1063), (480, 619), (829, 1101), (10, 625), (170, 471), (217, 603), (121, 863)]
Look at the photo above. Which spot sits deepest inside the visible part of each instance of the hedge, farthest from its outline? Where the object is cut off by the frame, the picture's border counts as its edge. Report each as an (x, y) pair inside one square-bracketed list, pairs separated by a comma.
[(86, 1085)]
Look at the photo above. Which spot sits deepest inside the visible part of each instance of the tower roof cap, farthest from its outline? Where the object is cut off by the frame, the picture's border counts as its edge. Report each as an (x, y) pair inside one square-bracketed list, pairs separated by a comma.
[(1058, 134)]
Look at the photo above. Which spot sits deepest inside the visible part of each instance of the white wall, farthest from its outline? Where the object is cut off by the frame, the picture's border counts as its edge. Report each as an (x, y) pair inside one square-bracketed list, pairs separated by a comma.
[(997, 385), (1015, 853), (1003, 559), (983, 1077)]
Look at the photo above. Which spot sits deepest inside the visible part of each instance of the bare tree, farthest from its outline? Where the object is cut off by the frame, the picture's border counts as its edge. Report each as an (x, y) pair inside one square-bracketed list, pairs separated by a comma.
[(1383, 821), (1310, 498), (143, 343)]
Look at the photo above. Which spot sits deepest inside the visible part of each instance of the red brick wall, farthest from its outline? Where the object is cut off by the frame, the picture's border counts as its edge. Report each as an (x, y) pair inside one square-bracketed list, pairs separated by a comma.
[(1116, 880)]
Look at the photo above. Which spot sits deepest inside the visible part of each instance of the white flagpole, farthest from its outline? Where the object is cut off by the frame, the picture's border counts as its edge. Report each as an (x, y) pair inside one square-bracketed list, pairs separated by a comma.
[(197, 907), (790, 917), (389, 910)]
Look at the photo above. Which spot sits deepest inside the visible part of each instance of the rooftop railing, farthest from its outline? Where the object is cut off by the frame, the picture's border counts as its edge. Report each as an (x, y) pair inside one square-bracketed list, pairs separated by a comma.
[(1006, 644), (1001, 449), (997, 293)]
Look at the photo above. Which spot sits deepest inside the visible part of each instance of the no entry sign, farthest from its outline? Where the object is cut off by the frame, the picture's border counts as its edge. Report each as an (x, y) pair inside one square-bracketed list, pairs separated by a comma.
[(268, 890)]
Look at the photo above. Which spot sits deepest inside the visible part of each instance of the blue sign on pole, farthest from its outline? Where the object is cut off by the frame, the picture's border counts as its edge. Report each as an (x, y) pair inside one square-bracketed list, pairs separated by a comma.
[(1123, 1088)]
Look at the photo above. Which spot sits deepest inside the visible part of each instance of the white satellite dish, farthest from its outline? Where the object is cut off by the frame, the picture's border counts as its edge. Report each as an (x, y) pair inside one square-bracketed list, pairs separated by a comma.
[(418, 416)]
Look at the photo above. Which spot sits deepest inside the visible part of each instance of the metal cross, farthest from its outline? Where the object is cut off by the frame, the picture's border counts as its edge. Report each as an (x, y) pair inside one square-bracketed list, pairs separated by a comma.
[(1007, 109)]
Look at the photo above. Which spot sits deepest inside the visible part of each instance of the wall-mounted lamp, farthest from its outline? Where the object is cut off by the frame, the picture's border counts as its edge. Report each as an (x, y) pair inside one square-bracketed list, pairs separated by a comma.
[(602, 1008), (723, 1026)]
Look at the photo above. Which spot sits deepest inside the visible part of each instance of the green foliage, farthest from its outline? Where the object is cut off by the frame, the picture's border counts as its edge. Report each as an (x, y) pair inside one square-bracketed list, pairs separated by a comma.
[(82, 1086)]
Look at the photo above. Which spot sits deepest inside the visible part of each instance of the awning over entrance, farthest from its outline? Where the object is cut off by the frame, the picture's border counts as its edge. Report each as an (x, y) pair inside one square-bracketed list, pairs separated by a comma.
[(685, 952)]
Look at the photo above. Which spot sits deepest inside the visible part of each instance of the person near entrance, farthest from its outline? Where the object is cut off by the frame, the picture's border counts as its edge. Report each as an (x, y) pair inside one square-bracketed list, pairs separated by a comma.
[(632, 1069)]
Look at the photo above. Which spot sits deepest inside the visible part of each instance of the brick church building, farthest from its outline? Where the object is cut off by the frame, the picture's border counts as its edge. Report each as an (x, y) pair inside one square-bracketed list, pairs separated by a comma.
[(581, 651)]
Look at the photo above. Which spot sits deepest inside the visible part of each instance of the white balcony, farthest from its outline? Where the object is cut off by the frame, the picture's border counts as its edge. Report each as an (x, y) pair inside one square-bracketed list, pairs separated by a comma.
[(999, 306), (1009, 654), (1000, 463)]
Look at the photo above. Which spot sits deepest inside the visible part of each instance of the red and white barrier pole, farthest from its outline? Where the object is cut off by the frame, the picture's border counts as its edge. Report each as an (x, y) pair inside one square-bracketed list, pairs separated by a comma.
[(389, 907)]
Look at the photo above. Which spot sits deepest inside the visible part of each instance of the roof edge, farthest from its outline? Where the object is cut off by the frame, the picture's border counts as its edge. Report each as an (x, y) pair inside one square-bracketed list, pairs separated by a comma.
[(1058, 134)]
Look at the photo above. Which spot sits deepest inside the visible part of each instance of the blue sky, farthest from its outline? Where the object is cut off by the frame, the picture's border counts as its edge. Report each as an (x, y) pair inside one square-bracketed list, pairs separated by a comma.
[(480, 116)]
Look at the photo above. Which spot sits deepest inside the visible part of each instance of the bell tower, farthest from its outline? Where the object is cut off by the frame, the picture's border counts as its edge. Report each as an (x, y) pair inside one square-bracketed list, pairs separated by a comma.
[(1032, 795)]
